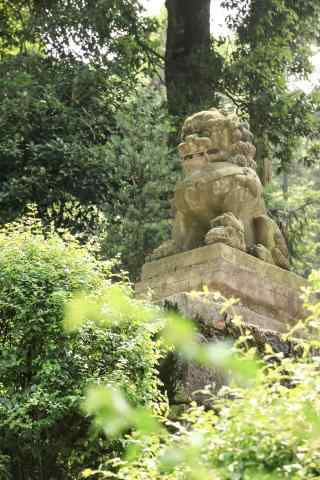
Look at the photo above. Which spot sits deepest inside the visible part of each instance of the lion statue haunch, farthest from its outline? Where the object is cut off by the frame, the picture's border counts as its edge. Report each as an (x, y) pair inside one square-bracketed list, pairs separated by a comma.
[(220, 198)]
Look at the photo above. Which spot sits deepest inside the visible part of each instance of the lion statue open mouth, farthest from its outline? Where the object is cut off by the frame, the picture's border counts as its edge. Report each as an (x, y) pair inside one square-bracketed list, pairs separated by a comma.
[(220, 198)]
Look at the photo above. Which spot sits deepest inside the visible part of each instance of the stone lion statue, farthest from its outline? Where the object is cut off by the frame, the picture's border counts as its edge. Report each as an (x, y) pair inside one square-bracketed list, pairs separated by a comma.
[(220, 198)]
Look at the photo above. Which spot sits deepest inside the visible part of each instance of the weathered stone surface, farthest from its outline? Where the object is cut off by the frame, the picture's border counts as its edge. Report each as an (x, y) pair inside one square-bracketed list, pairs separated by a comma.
[(220, 199), (185, 381), (227, 229), (269, 294), (205, 310)]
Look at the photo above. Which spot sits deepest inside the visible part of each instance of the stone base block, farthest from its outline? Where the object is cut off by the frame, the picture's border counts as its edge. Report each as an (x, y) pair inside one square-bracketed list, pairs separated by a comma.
[(269, 296), (185, 381)]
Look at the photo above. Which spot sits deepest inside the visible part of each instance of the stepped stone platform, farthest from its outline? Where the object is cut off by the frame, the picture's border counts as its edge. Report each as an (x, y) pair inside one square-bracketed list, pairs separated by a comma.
[(269, 296)]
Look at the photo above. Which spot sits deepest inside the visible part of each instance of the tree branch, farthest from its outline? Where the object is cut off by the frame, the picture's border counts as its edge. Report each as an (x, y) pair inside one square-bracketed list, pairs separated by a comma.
[(237, 102)]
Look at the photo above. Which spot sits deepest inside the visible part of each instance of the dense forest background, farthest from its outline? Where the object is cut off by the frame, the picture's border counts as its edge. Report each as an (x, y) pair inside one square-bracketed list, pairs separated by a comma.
[(93, 96)]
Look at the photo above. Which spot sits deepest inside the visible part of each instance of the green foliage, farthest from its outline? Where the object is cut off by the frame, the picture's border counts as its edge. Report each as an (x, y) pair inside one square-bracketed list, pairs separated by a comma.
[(109, 34), (15, 36), (264, 425), (4, 467), (293, 200), (44, 372), (86, 157), (59, 104), (53, 119), (273, 43), (142, 174), (63, 147)]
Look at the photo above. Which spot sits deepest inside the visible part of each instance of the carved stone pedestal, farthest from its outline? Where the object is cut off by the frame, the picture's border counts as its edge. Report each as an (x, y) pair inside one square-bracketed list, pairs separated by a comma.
[(269, 296), (269, 303)]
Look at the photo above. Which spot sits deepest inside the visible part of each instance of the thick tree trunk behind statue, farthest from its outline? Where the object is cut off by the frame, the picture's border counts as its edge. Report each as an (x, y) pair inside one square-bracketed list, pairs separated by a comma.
[(187, 53)]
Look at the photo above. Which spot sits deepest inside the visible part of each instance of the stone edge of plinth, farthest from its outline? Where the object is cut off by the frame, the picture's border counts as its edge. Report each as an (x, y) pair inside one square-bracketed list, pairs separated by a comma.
[(216, 267), (209, 253)]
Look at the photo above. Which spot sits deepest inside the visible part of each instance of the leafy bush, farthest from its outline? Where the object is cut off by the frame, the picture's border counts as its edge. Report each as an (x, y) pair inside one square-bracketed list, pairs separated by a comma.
[(45, 371), (264, 425)]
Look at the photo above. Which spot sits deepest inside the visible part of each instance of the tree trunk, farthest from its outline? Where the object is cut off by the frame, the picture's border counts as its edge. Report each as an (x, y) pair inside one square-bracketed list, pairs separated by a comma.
[(285, 185), (263, 159), (187, 54), (256, 108)]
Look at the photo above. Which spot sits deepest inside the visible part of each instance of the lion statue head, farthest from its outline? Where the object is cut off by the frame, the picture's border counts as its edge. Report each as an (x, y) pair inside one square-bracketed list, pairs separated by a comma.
[(213, 136)]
